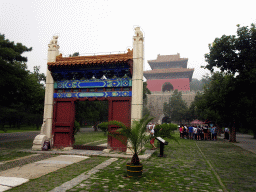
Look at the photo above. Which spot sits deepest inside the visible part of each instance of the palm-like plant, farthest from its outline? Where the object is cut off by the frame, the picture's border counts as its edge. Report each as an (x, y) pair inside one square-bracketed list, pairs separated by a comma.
[(136, 134)]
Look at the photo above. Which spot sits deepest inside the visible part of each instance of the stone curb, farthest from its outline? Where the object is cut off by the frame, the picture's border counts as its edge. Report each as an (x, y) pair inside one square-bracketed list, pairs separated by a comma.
[(70, 184), (147, 154)]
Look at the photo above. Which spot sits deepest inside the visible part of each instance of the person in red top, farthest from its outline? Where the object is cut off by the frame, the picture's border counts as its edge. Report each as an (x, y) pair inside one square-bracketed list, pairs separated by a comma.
[(152, 141), (181, 131)]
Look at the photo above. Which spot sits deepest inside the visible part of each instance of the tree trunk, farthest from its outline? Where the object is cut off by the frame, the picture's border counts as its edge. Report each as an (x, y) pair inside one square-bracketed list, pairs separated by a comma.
[(219, 130), (254, 133), (135, 159), (233, 133)]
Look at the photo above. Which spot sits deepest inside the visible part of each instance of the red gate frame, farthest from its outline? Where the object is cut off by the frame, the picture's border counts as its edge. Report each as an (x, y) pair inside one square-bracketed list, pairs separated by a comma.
[(62, 130)]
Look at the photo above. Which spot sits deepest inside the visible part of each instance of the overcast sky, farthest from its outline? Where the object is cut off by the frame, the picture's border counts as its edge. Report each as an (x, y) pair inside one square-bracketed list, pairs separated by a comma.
[(169, 27)]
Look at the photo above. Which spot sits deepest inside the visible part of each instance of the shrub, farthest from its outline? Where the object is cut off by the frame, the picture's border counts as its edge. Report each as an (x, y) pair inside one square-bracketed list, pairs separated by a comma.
[(103, 128), (76, 127), (167, 130)]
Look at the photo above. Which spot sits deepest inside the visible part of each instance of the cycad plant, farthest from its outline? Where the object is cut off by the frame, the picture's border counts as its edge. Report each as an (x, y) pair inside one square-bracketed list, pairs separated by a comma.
[(136, 134)]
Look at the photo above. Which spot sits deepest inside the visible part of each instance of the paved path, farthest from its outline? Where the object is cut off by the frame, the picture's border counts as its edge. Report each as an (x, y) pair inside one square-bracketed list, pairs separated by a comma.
[(18, 136), (19, 175), (146, 155), (246, 142)]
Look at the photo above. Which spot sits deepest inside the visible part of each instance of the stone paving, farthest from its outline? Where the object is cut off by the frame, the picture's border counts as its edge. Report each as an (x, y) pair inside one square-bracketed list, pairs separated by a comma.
[(246, 142), (147, 154), (19, 175)]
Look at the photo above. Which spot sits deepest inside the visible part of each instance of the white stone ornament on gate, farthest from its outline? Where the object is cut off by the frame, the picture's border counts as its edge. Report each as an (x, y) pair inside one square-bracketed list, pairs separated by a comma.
[(137, 79), (46, 129)]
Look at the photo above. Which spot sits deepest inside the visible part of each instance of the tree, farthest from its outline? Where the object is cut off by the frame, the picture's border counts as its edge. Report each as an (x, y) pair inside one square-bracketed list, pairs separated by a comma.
[(216, 103), (176, 109), (39, 76), (74, 54), (236, 55), (198, 85), (12, 70), (146, 91), (91, 112), (135, 134), (22, 95)]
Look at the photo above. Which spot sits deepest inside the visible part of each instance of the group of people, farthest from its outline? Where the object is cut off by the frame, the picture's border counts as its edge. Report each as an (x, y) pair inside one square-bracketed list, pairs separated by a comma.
[(191, 132), (198, 132)]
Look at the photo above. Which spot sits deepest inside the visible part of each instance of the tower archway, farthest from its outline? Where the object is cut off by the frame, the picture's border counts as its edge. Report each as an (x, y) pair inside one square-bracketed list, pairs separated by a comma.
[(167, 86)]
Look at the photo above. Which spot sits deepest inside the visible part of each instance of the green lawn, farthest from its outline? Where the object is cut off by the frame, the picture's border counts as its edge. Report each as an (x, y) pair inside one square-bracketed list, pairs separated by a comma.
[(184, 169), (88, 137), (10, 150), (17, 130), (23, 128)]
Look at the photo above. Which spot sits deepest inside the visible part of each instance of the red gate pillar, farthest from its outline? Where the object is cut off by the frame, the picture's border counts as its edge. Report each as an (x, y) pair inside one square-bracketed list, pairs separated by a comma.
[(119, 110), (63, 123)]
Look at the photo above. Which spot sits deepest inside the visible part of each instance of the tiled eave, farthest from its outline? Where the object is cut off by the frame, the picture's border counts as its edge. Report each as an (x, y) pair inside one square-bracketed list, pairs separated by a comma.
[(92, 60)]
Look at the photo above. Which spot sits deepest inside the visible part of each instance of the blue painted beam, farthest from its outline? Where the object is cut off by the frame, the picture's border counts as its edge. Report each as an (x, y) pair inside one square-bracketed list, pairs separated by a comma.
[(93, 94), (67, 84)]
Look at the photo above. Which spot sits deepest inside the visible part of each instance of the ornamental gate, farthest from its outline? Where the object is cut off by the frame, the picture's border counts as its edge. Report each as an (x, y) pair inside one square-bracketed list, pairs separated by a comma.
[(103, 77), (117, 78)]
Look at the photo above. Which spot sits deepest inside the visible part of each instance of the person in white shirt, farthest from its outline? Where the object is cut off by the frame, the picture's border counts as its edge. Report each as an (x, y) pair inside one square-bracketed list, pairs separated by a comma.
[(152, 141), (226, 134)]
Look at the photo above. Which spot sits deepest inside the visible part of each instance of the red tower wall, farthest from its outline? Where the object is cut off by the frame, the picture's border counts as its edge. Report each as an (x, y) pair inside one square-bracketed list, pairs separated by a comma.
[(180, 84)]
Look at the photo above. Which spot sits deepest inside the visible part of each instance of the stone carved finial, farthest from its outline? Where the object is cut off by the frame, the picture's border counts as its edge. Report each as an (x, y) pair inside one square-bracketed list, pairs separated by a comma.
[(138, 34), (53, 44)]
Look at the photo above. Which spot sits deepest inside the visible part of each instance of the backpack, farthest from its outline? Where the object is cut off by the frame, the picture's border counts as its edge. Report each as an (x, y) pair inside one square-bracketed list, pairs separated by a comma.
[(155, 130)]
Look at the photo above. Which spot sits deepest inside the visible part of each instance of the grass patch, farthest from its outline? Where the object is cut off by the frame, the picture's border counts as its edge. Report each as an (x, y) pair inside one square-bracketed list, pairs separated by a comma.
[(23, 128), (18, 130), (57, 178), (182, 169), (88, 137), (236, 166), (10, 150)]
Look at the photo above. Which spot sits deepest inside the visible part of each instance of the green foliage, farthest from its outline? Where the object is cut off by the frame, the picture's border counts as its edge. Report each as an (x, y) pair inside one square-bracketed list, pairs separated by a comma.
[(166, 130), (74, 54), (22, 94), (103, 128), (198, 85), (91, 112), (216, 103), (177, 108), (232, 53), (136, 134), (76, 127), (39, 76), (146, 91), (235, 55)]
